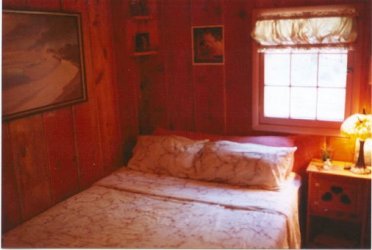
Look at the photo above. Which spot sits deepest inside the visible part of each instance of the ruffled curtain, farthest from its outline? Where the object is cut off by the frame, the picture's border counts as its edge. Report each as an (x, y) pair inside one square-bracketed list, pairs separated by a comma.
[(326, 31)]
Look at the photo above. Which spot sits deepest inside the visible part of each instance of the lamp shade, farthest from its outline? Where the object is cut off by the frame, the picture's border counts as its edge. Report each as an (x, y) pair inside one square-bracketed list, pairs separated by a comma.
[(358, 126)]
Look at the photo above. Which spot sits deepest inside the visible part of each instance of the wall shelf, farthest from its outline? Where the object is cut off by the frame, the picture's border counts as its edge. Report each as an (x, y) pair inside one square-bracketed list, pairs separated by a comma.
[(142, 18), (145, 53), (142, 26)]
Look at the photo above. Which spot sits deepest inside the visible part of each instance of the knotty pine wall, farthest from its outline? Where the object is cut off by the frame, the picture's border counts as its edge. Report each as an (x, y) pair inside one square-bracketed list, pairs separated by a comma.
[(213, 98), (175, 94), (50, 156)]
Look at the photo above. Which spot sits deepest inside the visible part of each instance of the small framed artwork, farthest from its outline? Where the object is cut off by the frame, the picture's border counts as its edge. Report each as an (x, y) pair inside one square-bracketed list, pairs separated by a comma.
[(208, 44), (139, 7), (43, 66), (142, 42)]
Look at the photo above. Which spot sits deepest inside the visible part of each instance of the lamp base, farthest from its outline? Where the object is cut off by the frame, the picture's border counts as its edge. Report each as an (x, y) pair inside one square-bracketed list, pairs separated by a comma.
[(359, 170)]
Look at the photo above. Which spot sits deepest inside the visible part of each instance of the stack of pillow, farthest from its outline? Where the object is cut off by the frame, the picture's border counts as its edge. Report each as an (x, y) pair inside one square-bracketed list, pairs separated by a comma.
[(257, 161)]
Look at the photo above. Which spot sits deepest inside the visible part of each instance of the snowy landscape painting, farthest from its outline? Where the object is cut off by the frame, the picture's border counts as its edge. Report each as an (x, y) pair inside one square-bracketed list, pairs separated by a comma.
[(42, 61)]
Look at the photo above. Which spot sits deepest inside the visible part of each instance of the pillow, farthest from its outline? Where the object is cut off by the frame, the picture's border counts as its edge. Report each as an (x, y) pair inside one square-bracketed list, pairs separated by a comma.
[(169, 155), (280, 141), (307, 145), (244, 164)]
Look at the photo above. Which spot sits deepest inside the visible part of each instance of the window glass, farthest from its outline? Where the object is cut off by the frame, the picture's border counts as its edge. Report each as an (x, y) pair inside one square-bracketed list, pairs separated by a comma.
[(305, 84), (332, 69), (279, 65), (276, 101), (303, 103), (304, 69), (331, 104)]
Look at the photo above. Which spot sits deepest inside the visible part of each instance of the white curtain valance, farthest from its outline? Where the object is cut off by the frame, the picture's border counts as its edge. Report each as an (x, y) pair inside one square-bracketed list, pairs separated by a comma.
[(317, 31)]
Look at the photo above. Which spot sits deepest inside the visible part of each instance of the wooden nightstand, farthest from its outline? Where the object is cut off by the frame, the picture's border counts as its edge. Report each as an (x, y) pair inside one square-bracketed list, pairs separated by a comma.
[(338, 207)]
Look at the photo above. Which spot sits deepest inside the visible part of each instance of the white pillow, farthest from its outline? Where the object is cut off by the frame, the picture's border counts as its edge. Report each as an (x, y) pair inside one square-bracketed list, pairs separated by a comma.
[(245, 164), (169, 155)]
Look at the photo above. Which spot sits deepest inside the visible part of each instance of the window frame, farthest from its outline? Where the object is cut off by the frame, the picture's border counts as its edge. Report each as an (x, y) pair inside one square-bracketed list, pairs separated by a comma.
[(301, 126)]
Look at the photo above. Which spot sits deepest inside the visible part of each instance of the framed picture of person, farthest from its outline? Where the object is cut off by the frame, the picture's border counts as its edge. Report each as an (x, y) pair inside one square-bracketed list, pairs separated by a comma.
[(208, 45)]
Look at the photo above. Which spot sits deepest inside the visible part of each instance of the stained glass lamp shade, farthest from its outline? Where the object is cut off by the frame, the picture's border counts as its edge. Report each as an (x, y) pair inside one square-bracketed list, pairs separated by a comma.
[(358, 126)]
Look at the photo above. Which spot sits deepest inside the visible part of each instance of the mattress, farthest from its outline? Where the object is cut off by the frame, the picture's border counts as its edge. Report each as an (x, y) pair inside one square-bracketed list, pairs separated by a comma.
[(132, 209)]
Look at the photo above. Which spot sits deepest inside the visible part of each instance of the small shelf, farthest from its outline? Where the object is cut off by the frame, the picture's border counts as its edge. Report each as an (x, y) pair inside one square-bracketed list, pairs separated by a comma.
[(334, 241), (142, 18), (328, 233), (145, 53)]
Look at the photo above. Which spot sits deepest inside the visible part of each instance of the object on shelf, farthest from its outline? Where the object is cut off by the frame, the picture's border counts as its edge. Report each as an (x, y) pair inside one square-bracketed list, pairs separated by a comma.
[(139, 8), (142, 42)]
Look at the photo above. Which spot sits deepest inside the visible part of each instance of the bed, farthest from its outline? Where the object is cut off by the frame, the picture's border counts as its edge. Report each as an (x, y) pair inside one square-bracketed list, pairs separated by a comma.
[(167, 197)]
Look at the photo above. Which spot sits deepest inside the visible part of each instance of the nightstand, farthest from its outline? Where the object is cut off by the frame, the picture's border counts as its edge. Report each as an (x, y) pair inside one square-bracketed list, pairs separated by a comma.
[(338, 207)]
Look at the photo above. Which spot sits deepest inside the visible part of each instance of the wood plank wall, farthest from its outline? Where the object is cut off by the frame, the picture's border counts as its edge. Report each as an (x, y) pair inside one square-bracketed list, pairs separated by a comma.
[(217, 98), (211, 98), (52, 155)]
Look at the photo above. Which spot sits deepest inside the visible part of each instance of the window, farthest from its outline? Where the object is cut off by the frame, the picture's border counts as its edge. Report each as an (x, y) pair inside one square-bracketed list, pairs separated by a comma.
[(303, 69), (308, 85)]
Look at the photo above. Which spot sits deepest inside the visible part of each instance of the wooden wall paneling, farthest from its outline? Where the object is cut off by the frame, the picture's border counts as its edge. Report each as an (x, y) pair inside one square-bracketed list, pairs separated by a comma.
[(104, 79), (209, 98), (149, 69), (209, 80), (85, 115), (178, 63), (144, 100), (343, 148), (31, 164), (308, 147), (237, 16), (127, 76), (47, 5), (13, 4), (152, 102), (10, 206), (64, 172), (88, 144), (129, 96), (365, 36), (206, 12)]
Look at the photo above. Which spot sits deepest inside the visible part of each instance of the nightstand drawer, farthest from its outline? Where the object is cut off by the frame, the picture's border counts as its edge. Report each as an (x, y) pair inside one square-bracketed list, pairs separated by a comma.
[(335, 197)]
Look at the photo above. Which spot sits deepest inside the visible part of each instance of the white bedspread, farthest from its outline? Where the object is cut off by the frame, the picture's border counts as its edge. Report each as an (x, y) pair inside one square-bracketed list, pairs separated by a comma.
[(130, 209)]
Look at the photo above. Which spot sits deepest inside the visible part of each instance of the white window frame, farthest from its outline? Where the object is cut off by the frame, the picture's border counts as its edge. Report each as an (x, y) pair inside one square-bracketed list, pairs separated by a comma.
[(299, 126)]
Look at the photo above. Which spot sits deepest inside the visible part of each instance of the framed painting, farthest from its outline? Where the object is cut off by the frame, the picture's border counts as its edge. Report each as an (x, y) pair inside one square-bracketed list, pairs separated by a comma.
[(208, 45), (43, 66)]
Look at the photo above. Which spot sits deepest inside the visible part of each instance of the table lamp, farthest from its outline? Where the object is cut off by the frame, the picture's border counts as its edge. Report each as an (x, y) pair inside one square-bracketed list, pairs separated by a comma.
[(358, 126)]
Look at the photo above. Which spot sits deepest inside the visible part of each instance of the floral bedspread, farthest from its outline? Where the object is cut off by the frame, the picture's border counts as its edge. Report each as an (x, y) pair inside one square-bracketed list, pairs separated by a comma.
[(131, 209)]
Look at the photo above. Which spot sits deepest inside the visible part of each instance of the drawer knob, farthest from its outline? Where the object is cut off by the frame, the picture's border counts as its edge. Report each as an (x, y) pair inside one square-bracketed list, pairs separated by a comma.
[(345, 199), (327, 196), (336, 189)]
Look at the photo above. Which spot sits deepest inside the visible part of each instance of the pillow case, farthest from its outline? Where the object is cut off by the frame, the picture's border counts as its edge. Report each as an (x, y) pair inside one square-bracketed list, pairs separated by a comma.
[(244, 164), (169, 155), (269, 140), (307, 145)]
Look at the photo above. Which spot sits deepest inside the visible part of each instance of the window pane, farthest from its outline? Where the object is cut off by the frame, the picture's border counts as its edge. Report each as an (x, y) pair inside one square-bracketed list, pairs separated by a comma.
[(331, 104), (277, 69), (303, 103), (332, 69), (276, 102), (304, 69)]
